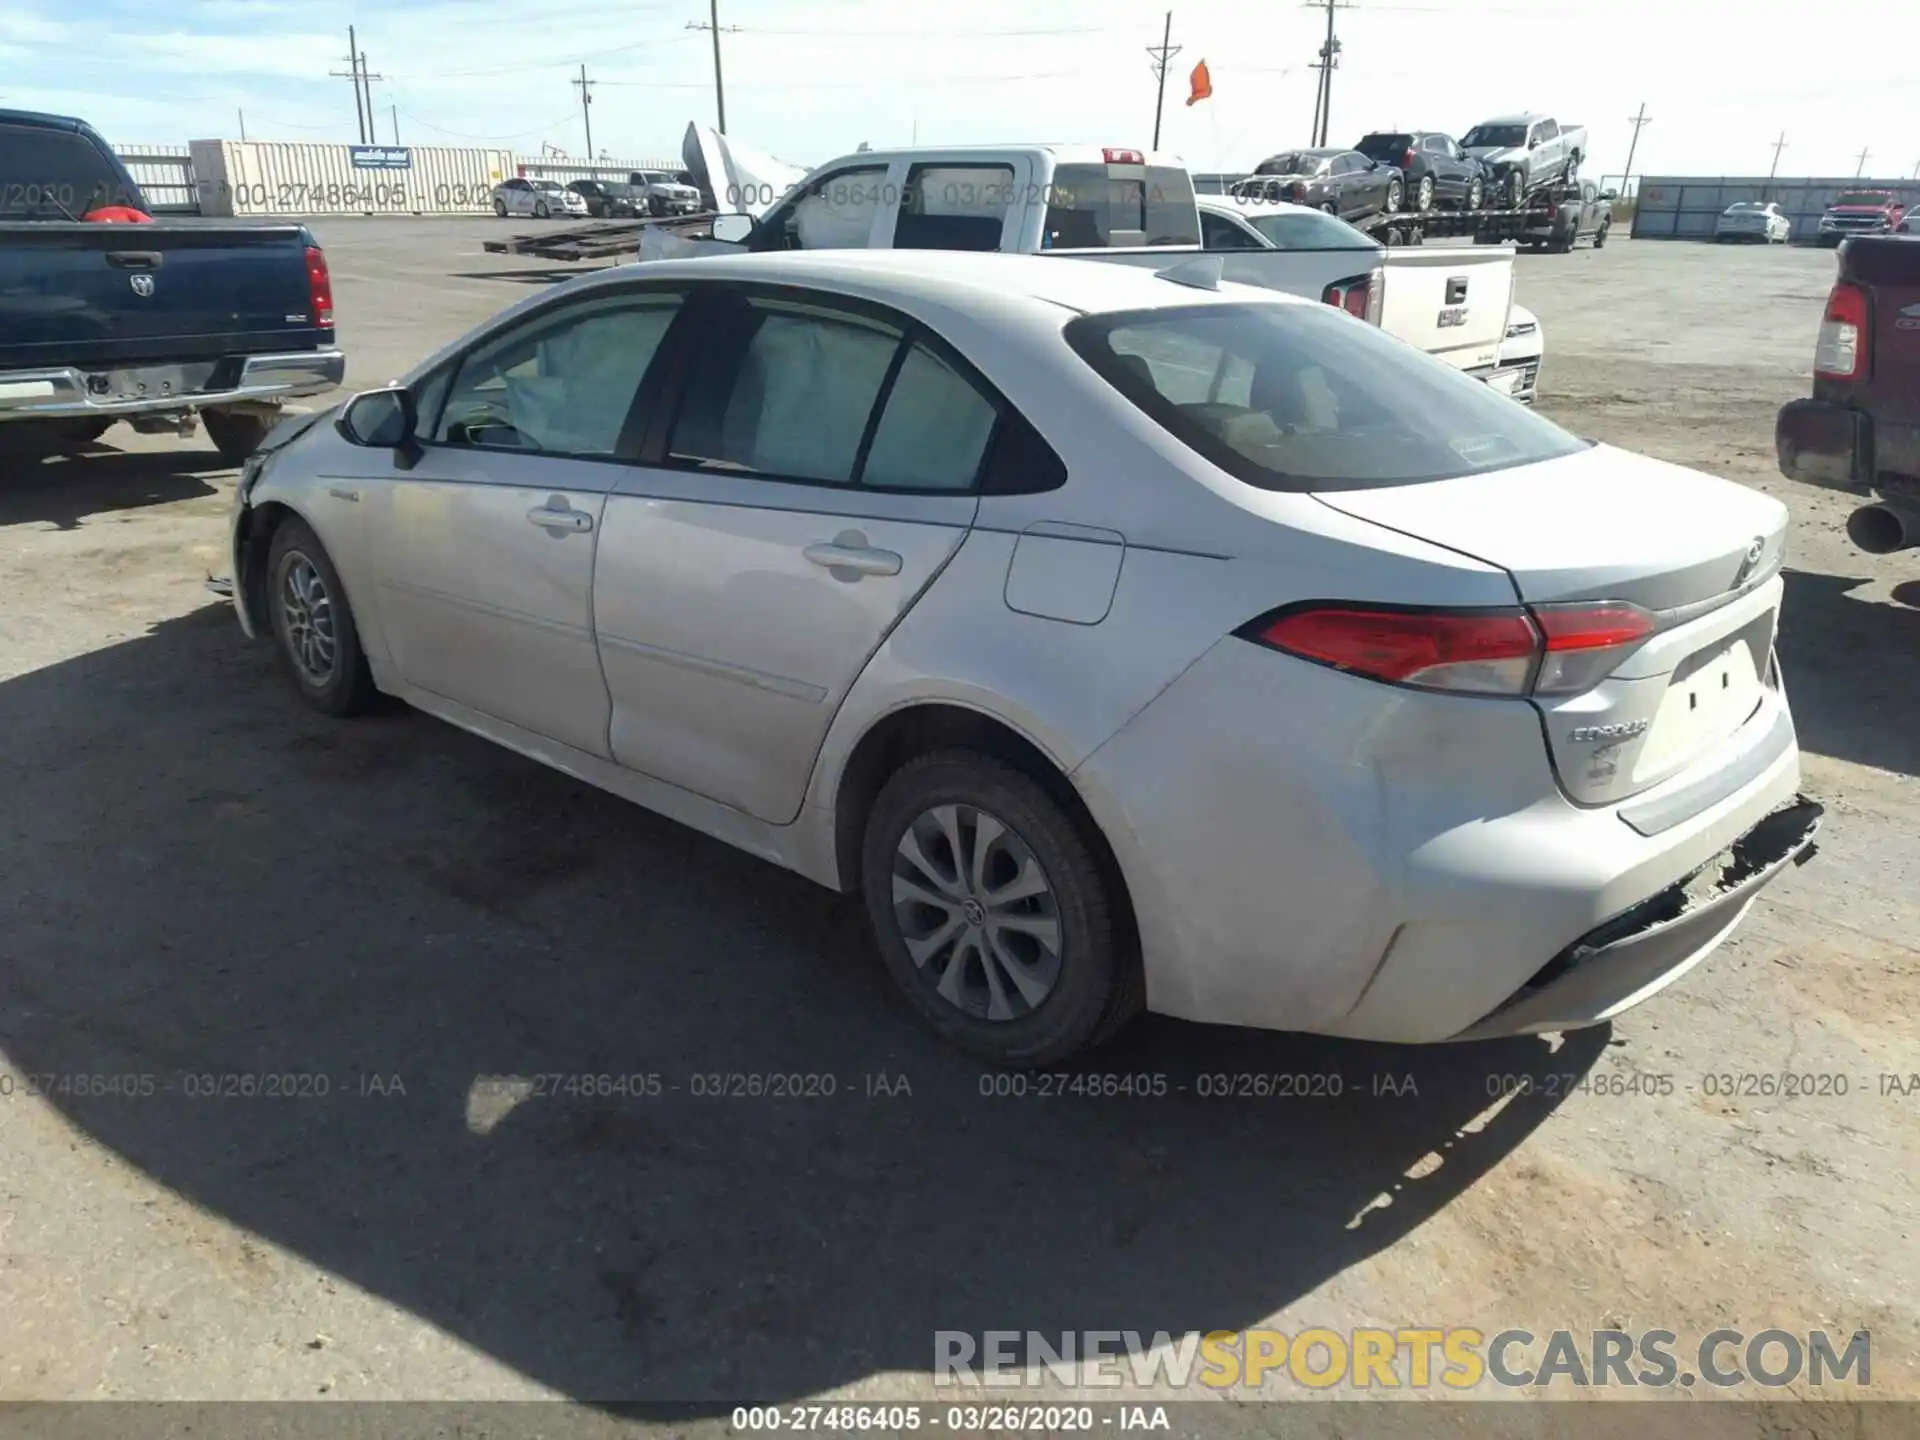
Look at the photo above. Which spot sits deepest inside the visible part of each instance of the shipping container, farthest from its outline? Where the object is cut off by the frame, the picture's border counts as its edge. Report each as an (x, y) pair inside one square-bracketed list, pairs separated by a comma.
[(558, 167), (259, 178), (164, 174), (1688, 207)]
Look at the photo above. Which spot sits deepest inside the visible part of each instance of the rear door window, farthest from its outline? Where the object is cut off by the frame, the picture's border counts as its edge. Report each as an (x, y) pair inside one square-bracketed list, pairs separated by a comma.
[(954, 207), (1219, 233), (933, 433), (1088, 209), (56, 174), (1303, 397)]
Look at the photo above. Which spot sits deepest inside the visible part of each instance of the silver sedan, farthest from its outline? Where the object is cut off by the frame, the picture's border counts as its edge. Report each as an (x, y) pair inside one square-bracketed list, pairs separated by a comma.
[(1120, 639)]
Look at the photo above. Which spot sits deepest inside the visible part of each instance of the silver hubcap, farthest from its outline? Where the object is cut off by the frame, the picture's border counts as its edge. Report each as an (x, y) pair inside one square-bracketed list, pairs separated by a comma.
[(307, 612), (977, 913)]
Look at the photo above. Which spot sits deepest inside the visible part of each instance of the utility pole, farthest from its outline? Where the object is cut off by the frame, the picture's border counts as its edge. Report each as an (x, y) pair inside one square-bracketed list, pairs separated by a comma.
[(353, 74), (1638, 122), (395, 112), (366, 88), (719, 87), (1162, 53), (586, 108), (1329, 58), (243, 125), (1861, 168), (1778, 146)]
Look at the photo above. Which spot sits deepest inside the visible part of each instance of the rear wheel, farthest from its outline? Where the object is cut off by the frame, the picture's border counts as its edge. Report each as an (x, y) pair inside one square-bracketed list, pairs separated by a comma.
[(500, 207), (236, 434), (540, 211), (1329, 210), (994, 912), (1396, 196), (1573, 167), (313, 628), (1423, 195)]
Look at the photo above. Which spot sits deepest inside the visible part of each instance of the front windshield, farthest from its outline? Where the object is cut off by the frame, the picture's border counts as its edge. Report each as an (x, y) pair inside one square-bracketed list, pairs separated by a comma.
[(1503, 137), (1864, 197), (546, 185)]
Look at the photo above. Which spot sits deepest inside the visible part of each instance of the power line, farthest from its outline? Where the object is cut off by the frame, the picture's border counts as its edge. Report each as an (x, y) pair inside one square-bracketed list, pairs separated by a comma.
[(1639, 123), (1162, 53), (586, 105), (719, 86)]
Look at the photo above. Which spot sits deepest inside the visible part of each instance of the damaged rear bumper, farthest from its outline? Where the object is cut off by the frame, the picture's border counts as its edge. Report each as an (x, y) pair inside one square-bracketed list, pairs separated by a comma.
[(1616, 965)]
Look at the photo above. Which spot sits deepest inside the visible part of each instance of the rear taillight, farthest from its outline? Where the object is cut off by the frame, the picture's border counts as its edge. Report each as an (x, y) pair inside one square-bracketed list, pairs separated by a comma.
[(1406, 161), (1547, 650), (1358, 295), (319, 288), (1841, 353), (1123, 157)]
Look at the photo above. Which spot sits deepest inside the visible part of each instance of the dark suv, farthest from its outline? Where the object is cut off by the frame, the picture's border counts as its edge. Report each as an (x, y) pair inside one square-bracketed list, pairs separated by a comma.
[(607, 198), (1437, 170)]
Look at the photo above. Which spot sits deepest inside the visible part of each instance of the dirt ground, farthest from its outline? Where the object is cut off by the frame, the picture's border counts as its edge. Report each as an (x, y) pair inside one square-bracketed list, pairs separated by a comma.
[(204, 879)]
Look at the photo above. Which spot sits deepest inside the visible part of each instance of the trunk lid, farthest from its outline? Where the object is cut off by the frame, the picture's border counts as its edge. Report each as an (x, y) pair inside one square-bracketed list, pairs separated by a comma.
[(92, 295), (1703, 554)]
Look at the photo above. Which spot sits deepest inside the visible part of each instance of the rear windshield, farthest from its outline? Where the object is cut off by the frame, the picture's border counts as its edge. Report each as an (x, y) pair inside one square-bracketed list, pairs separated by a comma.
[(1305, 397), (1490, 136), (1291, 165), (56, 175), (1309, 230), (1382, 147), (1089, 210)]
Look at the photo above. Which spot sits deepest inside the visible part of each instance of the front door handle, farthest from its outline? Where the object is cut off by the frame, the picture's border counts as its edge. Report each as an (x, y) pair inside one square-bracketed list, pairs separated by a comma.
[(860, 559), (548, 517)]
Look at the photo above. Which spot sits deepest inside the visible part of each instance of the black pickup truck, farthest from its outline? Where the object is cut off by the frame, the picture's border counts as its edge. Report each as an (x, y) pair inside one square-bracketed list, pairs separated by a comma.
[(107, 315), (1860, 429)]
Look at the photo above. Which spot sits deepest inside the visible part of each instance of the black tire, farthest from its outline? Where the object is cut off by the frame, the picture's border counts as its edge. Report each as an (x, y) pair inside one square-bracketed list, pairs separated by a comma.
[(540, 211), (499, 207), (1096, 985), (1396, 196), (1515, 188), (1573, 167), (236, 435), (1600, 236), (1423, 194), (1329, 210), (1476, 193), (656, 207), (346, 688)]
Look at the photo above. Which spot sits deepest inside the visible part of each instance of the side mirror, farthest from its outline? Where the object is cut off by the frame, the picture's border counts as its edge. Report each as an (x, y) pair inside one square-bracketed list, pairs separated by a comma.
[(732, 229), (1533, 144), (378, 419)]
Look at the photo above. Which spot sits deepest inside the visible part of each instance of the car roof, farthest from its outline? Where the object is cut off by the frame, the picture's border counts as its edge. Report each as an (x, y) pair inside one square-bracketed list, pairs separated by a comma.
[(1529, 118), (966, 278), (41, 119)]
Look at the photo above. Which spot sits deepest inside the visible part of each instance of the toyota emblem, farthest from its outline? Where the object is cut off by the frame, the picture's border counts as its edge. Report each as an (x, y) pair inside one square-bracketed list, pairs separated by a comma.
[(142, 285)]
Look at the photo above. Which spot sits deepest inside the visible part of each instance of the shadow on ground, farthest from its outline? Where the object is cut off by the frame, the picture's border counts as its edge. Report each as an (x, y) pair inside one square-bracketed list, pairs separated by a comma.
[(1848, 668), (65, 489), (206, 880), (535, 277)]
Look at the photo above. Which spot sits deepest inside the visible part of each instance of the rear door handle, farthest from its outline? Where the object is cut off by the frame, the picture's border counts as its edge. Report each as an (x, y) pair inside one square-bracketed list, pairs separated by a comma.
[(134, 259), (861, 559), (560, 521)]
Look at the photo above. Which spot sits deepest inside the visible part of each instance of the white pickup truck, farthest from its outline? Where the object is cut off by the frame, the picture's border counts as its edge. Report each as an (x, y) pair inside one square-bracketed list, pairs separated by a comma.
[(1122, 206), (1526, 152)]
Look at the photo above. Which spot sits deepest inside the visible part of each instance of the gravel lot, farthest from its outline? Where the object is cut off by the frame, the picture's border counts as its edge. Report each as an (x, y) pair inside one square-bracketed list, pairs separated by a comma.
[(203, 878)]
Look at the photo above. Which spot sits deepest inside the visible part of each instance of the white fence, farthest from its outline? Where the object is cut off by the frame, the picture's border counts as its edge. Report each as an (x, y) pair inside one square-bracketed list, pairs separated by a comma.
[(261, 178)]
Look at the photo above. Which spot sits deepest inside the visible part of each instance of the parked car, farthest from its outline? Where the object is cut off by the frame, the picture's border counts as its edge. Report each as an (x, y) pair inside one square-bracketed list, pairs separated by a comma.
[(1860, 430), (1436, 169), (974, 584), (1861, 212), (608, 199), (1341, 182), (1559, 224), (1753, 220), (663, 194), (538, 198), (1407, 291), (107, 315), (1526, 152)]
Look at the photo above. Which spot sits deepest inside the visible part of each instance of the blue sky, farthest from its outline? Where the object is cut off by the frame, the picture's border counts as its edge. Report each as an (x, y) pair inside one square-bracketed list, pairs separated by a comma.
[(810, 79)]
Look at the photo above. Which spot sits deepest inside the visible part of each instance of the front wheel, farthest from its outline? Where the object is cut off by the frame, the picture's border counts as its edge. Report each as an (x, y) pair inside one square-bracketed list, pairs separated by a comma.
[(1573, 167), (994, 913), (313, 629), (1600, 236), (236, 434), (1516, 189), (1396, 196)]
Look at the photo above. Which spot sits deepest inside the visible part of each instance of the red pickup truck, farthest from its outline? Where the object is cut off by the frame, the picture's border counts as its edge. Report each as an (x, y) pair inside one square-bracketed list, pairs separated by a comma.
[(1862, 212), (1860, 431)]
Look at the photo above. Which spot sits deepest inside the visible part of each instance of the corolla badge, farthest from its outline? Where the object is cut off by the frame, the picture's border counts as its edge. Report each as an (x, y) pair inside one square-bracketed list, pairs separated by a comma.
[(1609, 734), (142, 285)]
